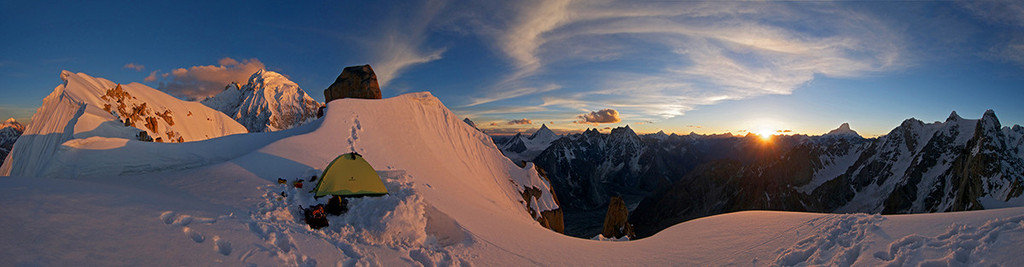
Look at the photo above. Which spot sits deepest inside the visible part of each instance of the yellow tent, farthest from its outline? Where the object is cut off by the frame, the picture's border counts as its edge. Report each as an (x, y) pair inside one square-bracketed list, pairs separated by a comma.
[(349, 175)]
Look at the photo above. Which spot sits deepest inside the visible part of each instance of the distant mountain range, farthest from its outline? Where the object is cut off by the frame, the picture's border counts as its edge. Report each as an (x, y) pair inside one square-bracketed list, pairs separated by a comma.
[(959, 164)]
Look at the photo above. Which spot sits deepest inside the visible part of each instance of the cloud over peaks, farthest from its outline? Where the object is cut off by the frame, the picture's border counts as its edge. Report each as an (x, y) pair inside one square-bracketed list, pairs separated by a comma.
[(520, 121), (199, 82), (601, 116)]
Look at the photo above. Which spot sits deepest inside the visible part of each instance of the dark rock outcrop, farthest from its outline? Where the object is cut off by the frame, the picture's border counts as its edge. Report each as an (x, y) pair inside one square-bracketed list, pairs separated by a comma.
[(616, 220), (10, 131), (551, 219), (354, 82)]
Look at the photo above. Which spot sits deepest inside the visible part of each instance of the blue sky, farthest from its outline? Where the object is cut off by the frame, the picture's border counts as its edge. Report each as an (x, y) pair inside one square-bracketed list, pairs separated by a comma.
[(707, 67)]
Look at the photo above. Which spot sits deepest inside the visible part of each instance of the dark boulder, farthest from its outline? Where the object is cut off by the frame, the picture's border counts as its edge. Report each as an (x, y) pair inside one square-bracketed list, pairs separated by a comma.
[(354, 82)]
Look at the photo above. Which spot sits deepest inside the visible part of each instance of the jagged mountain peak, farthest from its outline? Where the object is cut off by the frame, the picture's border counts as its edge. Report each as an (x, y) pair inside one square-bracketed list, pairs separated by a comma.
[(911, 122), (989, 119), (268, 102), (843, 131), (13, 124), (623, 131), (953, 116), (543, 133)]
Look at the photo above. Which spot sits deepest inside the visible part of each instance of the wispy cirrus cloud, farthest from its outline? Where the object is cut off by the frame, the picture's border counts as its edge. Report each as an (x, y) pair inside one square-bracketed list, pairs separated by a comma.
[(676, 56), (401, 43)]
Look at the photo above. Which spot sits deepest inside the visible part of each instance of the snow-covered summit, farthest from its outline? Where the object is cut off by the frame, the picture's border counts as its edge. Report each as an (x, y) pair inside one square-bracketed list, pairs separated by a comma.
[(268, 102), (10, 130), (89, 109), (522, 148), (13, 124), (953, 116), (544, 134)]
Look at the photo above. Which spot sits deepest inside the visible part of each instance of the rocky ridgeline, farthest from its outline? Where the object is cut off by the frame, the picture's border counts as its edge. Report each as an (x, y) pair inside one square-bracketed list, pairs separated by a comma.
[(917, 167)]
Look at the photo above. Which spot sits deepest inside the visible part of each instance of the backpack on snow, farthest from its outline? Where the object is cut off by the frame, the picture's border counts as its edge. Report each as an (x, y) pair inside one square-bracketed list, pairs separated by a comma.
[(316, 217)]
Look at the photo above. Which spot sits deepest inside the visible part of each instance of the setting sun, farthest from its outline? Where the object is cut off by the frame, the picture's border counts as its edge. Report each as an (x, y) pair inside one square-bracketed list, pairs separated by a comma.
[(765, 134)]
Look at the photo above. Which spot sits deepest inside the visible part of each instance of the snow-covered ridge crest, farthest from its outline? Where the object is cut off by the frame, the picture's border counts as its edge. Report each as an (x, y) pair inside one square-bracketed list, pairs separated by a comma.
[(268, 102), (86, 108)]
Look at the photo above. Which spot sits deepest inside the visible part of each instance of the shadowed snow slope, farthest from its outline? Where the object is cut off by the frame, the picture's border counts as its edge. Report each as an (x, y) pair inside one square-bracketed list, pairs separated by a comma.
[(454, 200)]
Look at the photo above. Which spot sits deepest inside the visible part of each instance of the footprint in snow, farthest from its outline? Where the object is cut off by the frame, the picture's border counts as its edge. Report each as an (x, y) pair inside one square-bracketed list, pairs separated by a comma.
[(221, 246), (167, 217), (183, 220), (194, 235)]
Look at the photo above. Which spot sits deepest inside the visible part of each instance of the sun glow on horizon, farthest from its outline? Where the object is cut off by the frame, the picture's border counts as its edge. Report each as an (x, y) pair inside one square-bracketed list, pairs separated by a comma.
[(765, 134)]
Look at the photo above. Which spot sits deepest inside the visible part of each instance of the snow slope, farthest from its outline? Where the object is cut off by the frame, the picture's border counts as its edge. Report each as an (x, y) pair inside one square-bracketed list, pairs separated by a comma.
[(268, 102), (455, 200), (85, 109)]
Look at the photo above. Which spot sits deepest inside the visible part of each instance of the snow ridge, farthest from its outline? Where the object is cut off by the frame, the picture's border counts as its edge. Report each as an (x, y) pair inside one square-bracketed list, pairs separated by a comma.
[(91, 110)]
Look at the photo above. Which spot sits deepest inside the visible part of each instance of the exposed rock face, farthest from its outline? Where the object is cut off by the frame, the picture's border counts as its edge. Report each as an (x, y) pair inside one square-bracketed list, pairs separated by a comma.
[(354, 82), (472, 124), (10, 130), (615, 222), (138, 114), (551, 219)]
